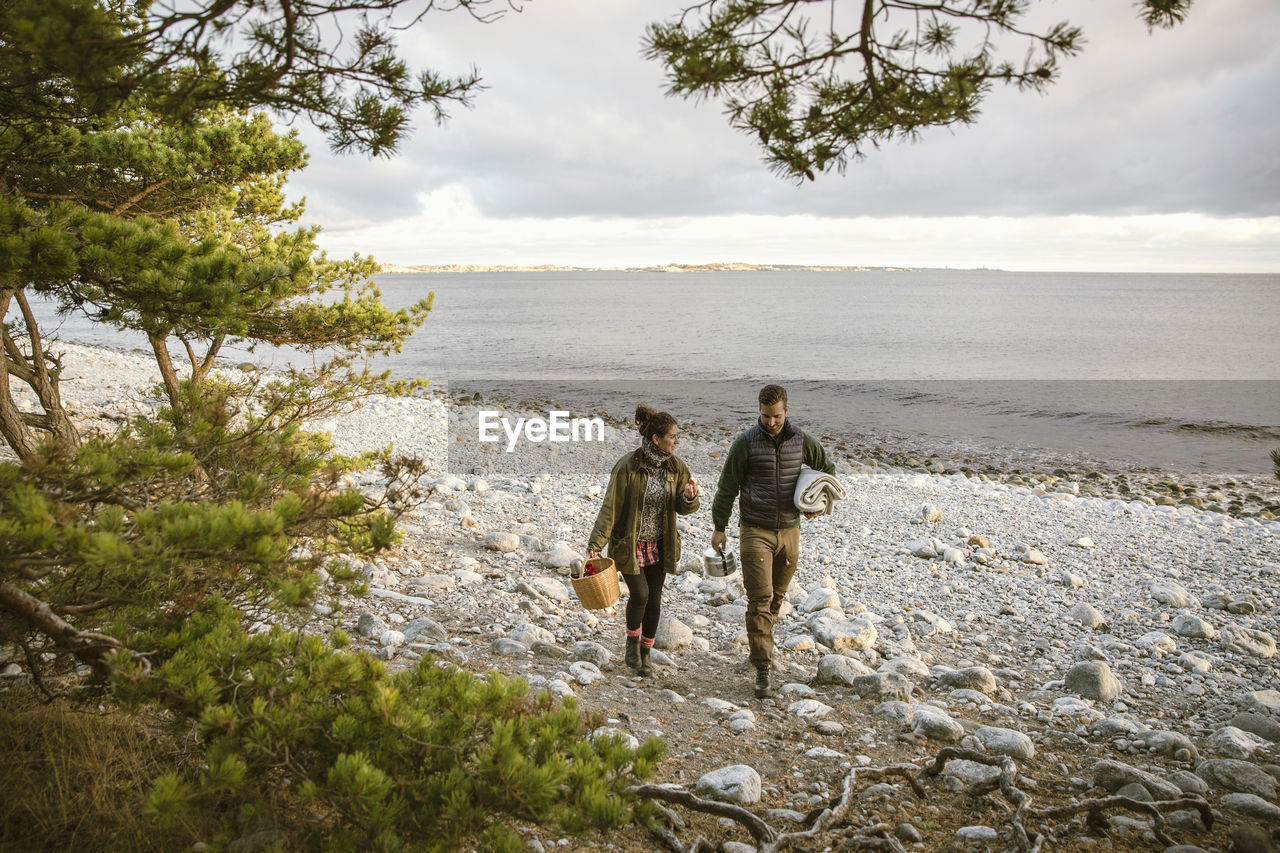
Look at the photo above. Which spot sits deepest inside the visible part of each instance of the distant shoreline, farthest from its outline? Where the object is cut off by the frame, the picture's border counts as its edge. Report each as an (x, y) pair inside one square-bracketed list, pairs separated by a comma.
[(392, 269)]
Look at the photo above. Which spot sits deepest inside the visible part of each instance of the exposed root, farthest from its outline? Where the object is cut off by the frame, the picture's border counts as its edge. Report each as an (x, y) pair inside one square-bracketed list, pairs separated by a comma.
[(1095, 807), (823, 826)]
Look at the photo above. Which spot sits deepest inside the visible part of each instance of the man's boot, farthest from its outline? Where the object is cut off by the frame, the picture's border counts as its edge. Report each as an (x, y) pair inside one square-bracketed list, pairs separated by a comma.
[(763, 689), (645, 670), (632, 658)]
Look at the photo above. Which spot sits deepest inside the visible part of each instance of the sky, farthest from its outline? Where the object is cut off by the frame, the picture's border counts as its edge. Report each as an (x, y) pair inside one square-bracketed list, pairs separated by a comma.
[(1154, 151)]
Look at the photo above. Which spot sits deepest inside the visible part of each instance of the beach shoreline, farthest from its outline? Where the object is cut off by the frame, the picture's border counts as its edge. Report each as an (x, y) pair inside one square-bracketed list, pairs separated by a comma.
[(930, 608)]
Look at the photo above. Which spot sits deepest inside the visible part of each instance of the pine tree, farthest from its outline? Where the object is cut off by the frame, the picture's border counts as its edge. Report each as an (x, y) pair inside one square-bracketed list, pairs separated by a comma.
[(137, 186), (817, 84)]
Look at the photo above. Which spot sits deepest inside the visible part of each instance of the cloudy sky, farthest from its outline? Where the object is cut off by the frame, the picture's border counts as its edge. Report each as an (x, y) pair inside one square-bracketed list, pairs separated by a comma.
[(1153, 152)]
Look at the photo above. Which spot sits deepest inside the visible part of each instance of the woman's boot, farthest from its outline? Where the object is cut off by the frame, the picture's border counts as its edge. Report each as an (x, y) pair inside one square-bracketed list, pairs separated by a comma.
[(632, 658), (645, 670)]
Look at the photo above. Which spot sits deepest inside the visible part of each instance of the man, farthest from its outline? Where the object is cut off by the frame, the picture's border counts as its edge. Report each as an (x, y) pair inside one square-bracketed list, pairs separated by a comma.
[(761, 470)]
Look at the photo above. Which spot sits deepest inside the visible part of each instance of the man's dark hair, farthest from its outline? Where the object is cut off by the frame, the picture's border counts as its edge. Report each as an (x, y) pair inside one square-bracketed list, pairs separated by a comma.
[(771, 394)]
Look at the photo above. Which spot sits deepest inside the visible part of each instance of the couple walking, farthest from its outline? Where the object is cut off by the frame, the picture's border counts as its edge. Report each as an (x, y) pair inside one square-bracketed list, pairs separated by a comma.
[(649, 487)]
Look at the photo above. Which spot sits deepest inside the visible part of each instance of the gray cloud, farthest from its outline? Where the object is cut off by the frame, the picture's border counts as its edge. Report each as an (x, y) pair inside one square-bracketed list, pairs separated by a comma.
[(574, 123)]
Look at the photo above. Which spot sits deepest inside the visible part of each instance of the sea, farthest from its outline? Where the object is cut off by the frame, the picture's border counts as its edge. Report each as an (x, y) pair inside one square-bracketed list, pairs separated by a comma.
[(1162, 374)]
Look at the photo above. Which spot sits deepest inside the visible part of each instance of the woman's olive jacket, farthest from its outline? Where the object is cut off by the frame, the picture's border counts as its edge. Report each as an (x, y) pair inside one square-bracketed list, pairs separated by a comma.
[(619, 516)]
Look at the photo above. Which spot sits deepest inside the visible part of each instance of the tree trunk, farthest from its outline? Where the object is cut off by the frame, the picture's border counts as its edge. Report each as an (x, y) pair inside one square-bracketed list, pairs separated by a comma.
[(13, 427), (160, 346), (46, 383), (87, 646)]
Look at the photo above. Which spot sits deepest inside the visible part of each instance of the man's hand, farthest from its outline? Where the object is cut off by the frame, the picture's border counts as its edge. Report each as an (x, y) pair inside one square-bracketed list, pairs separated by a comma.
[(718, 540), (591, 555), (691, 490), (811, 515)]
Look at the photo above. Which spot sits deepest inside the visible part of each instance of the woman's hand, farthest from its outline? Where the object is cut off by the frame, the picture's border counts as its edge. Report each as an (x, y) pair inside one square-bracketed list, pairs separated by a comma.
[(691, 490), (592, 555)]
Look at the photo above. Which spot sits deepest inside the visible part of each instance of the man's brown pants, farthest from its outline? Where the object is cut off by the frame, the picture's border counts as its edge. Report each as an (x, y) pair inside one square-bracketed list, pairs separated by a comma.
[(768, 563)]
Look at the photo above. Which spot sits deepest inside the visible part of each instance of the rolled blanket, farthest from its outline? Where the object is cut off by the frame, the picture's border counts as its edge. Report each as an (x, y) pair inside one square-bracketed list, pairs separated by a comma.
[(817, 492)]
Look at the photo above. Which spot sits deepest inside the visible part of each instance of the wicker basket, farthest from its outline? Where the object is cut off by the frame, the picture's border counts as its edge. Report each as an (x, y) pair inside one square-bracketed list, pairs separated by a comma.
[(600, 590)]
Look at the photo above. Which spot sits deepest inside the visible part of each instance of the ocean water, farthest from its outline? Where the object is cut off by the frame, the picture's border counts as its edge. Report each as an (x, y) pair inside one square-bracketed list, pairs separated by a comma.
[(1160, 373)]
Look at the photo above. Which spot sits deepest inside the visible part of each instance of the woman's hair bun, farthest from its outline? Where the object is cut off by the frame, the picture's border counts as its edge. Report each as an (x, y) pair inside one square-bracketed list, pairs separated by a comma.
[(651, 423)]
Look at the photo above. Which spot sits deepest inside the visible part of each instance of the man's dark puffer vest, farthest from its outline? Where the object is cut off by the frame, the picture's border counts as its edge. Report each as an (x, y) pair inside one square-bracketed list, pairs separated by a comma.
[(768, 489)]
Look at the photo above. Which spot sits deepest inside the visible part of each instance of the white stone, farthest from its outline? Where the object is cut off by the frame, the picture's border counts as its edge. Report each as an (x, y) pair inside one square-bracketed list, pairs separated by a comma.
[(504, 542), (737, 783), (839, 669), (857, 633), (673, 634), (809, 708), (1247, 641), (551, 587), (560, 557), (819, 598), (1008, 742), (585, 672), (527, 634), (606, 732), (1188, 625)]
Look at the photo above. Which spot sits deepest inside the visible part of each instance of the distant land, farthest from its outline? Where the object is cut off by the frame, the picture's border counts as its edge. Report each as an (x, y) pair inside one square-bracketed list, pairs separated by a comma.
[(725, 267)]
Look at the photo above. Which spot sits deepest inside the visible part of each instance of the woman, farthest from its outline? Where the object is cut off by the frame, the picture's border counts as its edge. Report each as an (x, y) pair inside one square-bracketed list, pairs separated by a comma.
[(637, 520)]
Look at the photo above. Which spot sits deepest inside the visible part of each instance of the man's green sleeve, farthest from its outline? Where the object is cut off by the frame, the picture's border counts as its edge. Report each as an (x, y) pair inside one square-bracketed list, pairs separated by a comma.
[(735, 468), (815, 457)]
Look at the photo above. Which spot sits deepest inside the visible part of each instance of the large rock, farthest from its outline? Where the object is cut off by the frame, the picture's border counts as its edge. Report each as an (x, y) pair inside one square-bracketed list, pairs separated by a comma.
[(504, 542), (970, 678), (819, 598), (736, 783), (1087, 615), (1189, 625), (1170, 594), (673, 634), (425, 630), (809, 708), (1114, 775), (370, 625), (1263, 701), (936, 724), (838, 669), (1093, 679), (1264, 726), (560, 557), (1247, 641), (528, 634), (1253, 806), (552, 588), (883, 685), (592, 652), (585, 672), (971, 772), (1235, 743), (1232, 774), (927, 513), (1008, 742), (857, 633)]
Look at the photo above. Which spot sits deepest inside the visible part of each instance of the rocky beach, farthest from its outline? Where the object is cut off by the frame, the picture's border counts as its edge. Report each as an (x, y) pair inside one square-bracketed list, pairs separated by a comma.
[(1070, 641)]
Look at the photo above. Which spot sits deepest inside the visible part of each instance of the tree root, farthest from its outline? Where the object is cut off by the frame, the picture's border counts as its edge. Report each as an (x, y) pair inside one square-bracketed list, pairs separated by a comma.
[(823, 824)]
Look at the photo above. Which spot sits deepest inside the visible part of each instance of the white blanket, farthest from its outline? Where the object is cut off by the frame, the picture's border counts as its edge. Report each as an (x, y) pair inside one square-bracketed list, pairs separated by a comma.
[(817, 492)]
